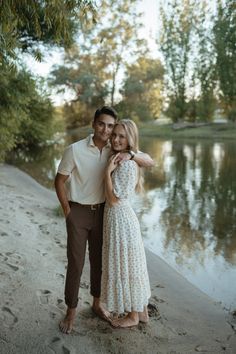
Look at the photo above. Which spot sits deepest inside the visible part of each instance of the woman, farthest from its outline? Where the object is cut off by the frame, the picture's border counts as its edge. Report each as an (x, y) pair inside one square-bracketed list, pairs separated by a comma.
[(125, 282)]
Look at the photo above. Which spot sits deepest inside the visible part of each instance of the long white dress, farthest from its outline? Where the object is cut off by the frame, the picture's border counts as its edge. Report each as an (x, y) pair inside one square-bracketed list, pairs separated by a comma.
[(125, 283)]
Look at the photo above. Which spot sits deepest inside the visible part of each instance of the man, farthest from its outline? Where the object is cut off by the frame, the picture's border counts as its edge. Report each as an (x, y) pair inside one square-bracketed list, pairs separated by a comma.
[(79, 186)]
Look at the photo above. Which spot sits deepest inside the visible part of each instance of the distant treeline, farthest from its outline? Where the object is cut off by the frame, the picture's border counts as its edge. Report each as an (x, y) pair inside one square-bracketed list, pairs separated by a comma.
[(107, 62)]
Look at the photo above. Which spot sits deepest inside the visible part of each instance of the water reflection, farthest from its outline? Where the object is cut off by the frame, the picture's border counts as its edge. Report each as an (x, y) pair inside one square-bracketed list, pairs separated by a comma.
[(188, 212), (191, 221), (40, 163)]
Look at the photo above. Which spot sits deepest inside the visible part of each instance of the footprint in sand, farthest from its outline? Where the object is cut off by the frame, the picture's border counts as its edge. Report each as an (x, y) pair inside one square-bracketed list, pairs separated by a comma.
[(60, 276), (157, 299), (9, 318), (3, 257), (42, 253), (4, 277), (12, 266), (44, 296), (60, 304), (44, 230), (153, 311), (53, 315), (84, 285), (12, 260), (59, 347), (30, 213), (58, 242), (160, 286)]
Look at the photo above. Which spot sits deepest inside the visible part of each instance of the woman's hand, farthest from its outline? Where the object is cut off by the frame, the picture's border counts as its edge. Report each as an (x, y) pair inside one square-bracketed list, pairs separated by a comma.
[(112, 163)]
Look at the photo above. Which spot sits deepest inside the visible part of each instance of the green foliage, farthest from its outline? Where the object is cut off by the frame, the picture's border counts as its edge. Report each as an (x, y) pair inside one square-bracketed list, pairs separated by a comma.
[(26, 115), (92, 68), (25, 24), (225, 46), (78, 114), (38, 127), (177, 21), (204, 66), (199, 49), (142, 90), (89, 85)]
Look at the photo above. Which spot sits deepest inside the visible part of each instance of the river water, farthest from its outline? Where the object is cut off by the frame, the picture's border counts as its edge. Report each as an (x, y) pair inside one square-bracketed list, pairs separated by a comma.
[(188, 211)]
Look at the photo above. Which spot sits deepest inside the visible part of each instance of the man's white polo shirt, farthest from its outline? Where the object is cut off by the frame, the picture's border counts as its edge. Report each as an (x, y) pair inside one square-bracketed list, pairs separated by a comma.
[(85, 164)]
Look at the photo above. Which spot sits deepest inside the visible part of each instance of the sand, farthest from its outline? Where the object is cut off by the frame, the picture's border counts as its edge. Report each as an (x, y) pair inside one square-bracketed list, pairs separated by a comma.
[(32, 269)]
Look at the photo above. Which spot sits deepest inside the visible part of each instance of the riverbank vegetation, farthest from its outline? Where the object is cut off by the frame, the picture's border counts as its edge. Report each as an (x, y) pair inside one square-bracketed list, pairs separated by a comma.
[(107, 61), (212, 130), (217, 131), (30, 27)]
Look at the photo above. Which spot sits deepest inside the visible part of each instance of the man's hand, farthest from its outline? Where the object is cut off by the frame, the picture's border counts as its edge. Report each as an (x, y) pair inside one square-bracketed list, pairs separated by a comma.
[(122, 156), (141, 158), (61, 193), (66, 211)]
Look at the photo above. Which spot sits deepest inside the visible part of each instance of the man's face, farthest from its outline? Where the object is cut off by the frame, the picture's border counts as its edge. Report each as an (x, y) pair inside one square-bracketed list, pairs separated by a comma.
[(103, 127)]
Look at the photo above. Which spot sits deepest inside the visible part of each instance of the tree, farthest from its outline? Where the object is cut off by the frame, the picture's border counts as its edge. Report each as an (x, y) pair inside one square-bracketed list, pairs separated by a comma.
[(225, 45), (26, 24), (142, 90), (25, 112), (203, 102), (120, 40), (176, 45), (96, 64), (84, 75)]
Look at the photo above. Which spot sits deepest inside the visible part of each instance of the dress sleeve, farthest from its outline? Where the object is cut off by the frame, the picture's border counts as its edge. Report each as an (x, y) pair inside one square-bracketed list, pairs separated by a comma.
[(67, 163), (125, 179)]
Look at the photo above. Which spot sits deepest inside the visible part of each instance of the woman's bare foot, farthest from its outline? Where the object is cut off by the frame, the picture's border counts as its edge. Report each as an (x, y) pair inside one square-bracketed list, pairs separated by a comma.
[(66, 325), (130, 320), (143, 316)]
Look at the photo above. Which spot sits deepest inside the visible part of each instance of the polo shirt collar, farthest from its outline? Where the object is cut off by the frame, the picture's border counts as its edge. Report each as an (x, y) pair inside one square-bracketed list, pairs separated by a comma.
[(91, 142)]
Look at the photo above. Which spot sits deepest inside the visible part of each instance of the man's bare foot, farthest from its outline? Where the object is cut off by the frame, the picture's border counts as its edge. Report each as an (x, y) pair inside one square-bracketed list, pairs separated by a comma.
[(143, 316), (129, 320), (101, 312), (66, 325)]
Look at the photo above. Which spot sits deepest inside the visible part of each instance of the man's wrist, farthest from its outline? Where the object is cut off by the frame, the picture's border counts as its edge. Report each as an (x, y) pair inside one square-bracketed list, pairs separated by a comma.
[(131, 153)]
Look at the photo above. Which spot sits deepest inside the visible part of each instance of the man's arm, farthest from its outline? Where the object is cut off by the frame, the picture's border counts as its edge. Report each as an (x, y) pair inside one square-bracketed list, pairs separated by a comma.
[(141, 158), (61, 192)]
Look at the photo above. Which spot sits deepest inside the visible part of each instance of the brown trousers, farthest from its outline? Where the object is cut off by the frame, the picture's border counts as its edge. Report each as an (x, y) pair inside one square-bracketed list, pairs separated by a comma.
[(83, 224)]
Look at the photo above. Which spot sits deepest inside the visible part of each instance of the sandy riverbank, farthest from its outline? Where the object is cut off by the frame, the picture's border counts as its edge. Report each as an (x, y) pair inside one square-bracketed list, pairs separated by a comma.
[(32, 268)]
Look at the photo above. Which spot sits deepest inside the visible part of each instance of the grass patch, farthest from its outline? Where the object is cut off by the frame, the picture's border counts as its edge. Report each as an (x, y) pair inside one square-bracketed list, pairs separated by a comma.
[(211, 131)]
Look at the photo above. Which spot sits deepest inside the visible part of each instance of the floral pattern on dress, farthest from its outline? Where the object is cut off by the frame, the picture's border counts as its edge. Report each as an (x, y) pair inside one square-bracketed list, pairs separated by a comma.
[(125, 281)]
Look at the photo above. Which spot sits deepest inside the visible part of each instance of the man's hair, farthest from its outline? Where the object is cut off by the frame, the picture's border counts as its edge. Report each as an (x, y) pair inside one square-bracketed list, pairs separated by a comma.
[(105, 110)]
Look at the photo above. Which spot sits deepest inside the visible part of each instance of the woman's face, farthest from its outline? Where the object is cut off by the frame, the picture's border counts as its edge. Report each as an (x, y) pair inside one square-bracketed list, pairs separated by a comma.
[(119, 140)]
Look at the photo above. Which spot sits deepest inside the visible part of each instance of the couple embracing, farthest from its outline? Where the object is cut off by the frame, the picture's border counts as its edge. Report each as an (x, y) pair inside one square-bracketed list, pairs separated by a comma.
[(96, 179)]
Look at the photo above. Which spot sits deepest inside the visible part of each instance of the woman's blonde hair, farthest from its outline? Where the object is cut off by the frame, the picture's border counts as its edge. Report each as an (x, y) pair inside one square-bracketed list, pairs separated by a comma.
[(133, 144)]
